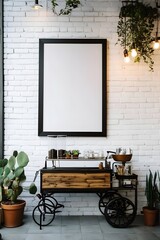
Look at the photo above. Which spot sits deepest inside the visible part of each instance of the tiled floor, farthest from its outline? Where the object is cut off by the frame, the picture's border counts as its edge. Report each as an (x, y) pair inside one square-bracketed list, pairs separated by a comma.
[(80, 228)]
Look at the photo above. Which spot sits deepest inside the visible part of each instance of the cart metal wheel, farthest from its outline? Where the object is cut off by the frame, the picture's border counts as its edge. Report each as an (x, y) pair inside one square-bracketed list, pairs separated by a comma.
[(49, 202), (120, 212), (105, 199), (43, 214)]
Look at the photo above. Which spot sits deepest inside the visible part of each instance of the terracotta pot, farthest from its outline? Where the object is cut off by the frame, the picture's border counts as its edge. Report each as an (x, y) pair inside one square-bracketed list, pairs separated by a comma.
[(75, 156), (1, 216), (150, 216), (13, 213)]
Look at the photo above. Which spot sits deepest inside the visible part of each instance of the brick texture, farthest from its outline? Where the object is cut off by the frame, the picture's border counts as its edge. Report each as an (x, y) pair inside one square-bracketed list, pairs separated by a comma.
[(133, 93)]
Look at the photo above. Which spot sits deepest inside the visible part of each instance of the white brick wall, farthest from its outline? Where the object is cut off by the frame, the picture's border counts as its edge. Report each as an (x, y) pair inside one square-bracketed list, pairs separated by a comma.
[(133, 108)]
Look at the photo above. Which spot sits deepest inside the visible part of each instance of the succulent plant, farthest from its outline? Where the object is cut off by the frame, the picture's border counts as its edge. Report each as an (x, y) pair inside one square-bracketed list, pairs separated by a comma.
[(12, 175), (152, 191), (75, 152)]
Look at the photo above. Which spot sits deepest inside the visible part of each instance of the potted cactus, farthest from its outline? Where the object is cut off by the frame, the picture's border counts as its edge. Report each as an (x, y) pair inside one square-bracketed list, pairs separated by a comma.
[(12, 175)]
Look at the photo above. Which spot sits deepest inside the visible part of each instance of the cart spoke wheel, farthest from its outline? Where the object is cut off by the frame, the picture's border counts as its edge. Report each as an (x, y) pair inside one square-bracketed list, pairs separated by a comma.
[(48, 202), (105, 199), (120, 212), (43, 214), (53, 199)]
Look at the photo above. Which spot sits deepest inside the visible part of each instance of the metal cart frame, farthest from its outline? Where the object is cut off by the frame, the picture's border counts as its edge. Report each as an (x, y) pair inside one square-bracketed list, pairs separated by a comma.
[(119, 211)]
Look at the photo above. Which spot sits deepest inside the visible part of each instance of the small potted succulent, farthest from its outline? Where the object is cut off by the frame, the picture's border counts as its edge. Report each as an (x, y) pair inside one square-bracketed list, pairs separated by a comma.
[(75, 153), (12, 175), (68, 154)]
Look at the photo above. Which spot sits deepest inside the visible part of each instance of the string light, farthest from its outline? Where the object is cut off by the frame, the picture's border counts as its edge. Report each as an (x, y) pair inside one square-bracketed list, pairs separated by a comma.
[(133, 51), (37, 6), (126, 56), (156, 43)]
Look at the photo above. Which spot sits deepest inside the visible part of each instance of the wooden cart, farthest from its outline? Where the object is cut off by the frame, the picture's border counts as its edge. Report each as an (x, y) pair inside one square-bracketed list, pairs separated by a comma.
[(118, 211)]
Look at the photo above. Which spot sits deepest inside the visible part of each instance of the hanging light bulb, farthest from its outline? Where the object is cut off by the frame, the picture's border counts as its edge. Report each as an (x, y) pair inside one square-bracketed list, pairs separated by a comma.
[(126, 57), (133, 51), (156, 44), (37, 6)]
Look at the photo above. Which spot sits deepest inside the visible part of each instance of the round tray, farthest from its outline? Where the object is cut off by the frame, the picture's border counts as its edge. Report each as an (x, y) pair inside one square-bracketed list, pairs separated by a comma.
[(122, 158)]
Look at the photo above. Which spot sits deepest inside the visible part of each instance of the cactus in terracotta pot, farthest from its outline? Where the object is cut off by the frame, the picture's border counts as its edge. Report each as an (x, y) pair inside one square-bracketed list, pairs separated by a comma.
[(12, 175)]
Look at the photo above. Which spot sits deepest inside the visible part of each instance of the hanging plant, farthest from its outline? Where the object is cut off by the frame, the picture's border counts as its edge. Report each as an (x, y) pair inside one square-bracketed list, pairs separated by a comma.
[(69, 6), (135, 27)]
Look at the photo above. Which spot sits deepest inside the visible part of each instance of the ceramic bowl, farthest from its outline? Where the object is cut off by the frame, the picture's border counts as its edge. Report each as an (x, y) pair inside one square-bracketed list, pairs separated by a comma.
[(122, 158)]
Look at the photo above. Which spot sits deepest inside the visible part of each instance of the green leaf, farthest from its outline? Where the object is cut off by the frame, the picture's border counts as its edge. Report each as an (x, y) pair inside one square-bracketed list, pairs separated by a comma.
[(18, 171), (0, 193), (15, 184), (15, 153), (6, 182), (1, 171), (22, 159), (6, 171), (1, 180), (32, 188), (11, 176), (11, 162), (9, 193), (19, 190), (3, 162)]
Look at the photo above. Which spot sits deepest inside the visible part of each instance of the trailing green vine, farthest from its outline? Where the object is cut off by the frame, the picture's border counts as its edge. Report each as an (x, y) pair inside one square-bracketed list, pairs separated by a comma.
[(69, 6), (135, 26)]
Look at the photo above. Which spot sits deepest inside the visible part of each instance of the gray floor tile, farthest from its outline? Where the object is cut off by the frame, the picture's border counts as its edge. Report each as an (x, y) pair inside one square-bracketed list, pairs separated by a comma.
[(71, 236), (43, 236), (91, 229), (14, 236), (70, 220), (92, 236), (90, 220), (147, 236), (80, 228), (72, 229)]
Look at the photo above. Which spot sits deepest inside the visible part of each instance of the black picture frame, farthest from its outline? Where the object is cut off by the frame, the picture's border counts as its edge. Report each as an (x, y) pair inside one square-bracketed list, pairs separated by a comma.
[(78, 66)]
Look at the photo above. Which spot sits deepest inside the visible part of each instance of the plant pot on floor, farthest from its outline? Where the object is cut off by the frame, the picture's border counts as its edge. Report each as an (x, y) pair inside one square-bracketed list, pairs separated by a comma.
[(150, 216), (13, 213), (1, 216)]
